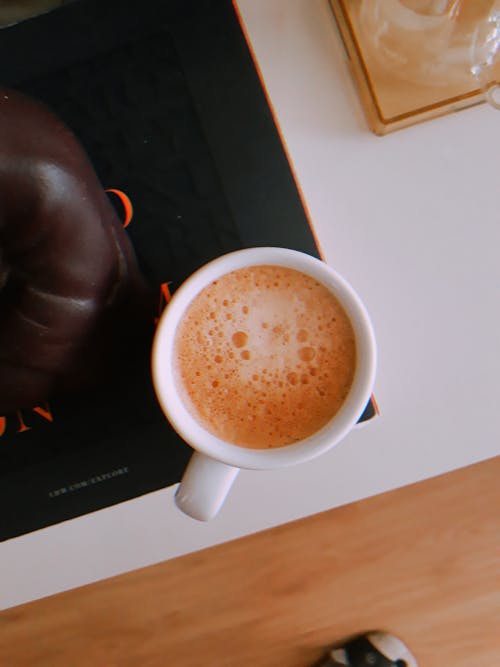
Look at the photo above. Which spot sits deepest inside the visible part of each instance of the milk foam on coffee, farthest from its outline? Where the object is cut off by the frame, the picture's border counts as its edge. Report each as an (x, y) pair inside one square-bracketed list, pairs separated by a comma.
[(265, 356)]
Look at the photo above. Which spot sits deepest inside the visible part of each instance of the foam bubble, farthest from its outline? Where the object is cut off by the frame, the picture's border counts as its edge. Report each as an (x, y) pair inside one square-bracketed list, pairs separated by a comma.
[(307, 353), (302, 335), (240, 339)]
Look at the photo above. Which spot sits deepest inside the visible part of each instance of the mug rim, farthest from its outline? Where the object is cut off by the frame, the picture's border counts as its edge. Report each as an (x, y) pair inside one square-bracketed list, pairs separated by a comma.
[(333, 431)]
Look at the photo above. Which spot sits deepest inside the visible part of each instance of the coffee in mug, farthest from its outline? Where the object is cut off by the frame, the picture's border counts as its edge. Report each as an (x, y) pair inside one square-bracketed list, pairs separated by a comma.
[(265, 356)]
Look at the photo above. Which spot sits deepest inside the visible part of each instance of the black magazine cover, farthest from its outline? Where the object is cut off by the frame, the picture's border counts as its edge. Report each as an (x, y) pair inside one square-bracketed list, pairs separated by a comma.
[(165, 98)]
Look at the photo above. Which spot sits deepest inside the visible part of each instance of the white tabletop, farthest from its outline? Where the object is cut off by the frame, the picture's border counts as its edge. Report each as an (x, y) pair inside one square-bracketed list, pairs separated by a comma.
[(412, 221)]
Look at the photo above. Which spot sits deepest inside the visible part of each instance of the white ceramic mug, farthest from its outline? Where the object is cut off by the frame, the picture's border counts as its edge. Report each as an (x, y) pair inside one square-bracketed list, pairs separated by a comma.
[(215, 463)]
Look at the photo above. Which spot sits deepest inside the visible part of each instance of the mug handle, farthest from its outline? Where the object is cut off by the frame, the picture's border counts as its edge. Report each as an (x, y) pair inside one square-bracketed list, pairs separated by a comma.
[(204, 487)]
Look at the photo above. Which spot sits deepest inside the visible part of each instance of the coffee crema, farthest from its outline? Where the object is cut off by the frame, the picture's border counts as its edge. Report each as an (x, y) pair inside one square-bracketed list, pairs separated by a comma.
[(265, 356)]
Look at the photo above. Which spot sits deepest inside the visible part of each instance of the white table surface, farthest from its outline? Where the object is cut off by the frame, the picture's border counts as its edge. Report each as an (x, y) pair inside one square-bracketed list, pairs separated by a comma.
[(412, 220)]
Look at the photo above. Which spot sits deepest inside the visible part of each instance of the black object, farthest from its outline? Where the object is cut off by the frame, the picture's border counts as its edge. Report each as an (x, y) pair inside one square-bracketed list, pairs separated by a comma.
[(375, 649), (165, 98)]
